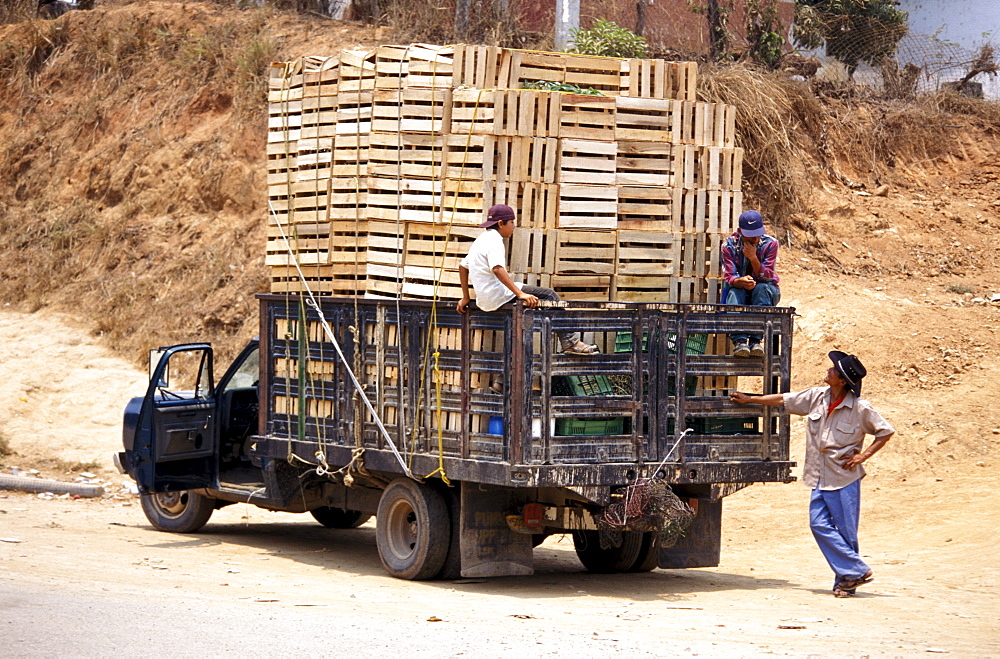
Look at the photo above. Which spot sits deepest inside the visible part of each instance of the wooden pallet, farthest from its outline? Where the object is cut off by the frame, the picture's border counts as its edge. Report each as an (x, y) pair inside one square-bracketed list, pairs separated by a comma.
[(581, 252)]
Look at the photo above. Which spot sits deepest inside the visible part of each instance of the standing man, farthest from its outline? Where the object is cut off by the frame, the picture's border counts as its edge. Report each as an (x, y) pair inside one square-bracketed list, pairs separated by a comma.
[(839, 419), (749, 258), (484, 265)]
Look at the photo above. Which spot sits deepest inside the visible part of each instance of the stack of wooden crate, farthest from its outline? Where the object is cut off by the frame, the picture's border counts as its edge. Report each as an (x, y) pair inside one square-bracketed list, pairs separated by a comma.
[(381, 164)]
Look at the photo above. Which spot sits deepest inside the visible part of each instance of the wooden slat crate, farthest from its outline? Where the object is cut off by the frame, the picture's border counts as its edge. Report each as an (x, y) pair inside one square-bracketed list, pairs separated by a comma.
[(699, 254), (588, 207), (476, 66), (419, 200), (430, 66), (354, 113), (586, 117), (350, 156), (645, 164), (659, 79), (524, 159), (522, 67), (711, 211), (390, 64), (628, 288), (410, 155), (579, 252), (537, 206), (531, 252), (357, 71), (587, 162), (646, 208), (592, 288), (647, 253), (322, 280), (647, 119), (482, 112), (412, 110), (719, 168), (438, 246), (600, 73)]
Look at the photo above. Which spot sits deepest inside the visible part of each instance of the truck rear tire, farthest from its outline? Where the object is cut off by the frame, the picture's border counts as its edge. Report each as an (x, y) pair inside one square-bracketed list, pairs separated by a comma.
[(649, 554), (177, 512), (413, 531), (339, 518), (611, 560)]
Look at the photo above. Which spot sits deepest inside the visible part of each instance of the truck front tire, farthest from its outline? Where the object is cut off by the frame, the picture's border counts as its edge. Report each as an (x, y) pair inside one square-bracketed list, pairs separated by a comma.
[(177, 512), (610, 560), (339, 518), (413, 530)]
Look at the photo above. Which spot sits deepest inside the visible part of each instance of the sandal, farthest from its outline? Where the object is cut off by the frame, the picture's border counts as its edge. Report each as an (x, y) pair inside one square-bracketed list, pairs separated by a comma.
[(840, 592), (852, 584), (581, 348)]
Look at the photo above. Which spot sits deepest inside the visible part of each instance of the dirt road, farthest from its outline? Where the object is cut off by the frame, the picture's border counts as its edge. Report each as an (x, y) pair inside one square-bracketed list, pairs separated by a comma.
[(92, 577)]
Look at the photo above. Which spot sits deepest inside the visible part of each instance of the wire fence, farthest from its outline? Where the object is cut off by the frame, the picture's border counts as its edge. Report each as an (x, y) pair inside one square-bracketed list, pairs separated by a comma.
[(918, 63)]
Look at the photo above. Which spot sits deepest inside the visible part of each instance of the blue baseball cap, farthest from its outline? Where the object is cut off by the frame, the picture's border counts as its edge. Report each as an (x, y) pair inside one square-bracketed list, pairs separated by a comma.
[(751, 224)]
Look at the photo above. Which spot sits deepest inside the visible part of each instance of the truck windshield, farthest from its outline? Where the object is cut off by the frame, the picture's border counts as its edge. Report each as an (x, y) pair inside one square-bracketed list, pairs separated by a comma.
[(246, 374)]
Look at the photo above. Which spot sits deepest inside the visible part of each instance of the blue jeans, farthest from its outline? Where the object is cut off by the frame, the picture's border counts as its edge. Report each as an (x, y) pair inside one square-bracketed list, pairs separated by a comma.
[(762, 295), (833, 518)]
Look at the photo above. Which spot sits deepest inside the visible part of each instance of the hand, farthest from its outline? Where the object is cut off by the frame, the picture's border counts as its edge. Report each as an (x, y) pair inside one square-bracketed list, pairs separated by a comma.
[(852, 461), (739, 397), (462, 305), (529, 300), (750, 250), (746, 282)]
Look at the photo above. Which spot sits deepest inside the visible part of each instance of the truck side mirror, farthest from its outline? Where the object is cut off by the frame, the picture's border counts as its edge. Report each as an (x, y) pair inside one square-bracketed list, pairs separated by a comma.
[(155, 354)]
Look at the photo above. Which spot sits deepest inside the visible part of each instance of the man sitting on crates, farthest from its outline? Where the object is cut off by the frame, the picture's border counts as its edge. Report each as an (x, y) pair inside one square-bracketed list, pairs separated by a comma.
[(749, 258), (484, 265)]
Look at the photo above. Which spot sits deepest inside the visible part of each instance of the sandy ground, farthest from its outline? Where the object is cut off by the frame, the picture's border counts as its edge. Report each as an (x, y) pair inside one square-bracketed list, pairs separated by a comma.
[(930, 510)]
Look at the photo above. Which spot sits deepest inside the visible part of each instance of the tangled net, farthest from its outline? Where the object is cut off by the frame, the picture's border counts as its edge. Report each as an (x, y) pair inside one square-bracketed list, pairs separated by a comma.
[(647, 505)]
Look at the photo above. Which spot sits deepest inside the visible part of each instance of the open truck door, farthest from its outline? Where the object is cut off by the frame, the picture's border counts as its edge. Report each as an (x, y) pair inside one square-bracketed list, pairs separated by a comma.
[(175, 440)]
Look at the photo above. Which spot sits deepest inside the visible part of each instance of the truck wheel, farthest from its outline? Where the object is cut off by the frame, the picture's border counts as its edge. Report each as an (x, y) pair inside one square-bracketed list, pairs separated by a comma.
[(649, 554), (339, 518), (177, 512), (413, 531), (607, 561)]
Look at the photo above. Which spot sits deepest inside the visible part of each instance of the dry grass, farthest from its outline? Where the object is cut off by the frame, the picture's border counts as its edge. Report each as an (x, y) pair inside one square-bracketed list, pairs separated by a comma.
[(770, 111)]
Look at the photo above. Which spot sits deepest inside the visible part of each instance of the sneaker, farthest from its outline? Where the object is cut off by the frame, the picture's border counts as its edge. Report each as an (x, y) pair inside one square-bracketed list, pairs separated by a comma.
[(741, 349), (756, 350)]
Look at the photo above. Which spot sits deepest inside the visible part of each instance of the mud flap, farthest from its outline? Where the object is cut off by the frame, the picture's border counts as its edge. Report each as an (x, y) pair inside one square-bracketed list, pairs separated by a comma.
[(489, 547), (700, 545)]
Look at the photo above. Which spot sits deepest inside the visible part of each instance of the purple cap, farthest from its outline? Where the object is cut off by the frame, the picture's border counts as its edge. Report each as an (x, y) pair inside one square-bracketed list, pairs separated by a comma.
[(498, 213), (751, 224)]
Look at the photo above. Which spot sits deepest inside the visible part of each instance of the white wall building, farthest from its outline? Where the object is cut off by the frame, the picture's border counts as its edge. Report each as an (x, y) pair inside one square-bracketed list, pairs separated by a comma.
[(960, 24)]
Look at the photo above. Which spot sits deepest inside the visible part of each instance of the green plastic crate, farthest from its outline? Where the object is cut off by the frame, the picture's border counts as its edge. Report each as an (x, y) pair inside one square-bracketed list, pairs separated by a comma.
[(569, 426), (696, 343), (590, 385)]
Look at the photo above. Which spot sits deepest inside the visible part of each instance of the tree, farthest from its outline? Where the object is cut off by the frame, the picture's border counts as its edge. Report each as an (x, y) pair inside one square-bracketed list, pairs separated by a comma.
[(854, 31)]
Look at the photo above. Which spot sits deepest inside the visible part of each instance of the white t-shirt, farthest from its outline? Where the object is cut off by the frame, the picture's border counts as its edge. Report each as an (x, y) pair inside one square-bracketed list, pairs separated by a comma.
[(487, 252)]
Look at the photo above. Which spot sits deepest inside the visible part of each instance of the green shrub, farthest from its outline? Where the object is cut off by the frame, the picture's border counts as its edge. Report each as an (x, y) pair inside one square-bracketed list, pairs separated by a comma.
[(608, 39)]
